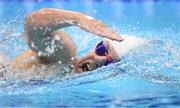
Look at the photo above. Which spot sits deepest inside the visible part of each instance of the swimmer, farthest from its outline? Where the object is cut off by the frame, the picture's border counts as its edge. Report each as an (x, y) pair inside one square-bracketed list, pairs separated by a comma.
[(50, 45)]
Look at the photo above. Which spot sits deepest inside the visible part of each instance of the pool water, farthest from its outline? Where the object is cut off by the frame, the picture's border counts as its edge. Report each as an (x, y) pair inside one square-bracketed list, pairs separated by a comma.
[(148, 76)]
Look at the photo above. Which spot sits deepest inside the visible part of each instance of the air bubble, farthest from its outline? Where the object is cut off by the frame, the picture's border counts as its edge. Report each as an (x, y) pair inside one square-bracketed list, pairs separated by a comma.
[(60, 62)]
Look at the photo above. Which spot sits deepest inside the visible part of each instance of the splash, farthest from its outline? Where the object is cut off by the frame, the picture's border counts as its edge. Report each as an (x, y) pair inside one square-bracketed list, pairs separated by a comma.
[(155, 61)]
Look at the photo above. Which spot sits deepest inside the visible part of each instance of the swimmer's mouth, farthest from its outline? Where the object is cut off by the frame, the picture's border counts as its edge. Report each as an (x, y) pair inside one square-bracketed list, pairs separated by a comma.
[(85, 67)]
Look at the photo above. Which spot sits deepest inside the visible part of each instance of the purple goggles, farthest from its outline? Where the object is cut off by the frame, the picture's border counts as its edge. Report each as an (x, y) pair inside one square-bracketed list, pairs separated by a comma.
[(101, 50)]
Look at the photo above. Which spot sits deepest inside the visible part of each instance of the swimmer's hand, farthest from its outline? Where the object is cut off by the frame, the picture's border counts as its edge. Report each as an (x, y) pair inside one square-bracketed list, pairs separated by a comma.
[(95, 26), (117, 38)]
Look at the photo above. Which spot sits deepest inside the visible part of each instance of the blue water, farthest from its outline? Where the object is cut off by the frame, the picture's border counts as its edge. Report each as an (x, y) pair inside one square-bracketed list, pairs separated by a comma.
[(148, 76)]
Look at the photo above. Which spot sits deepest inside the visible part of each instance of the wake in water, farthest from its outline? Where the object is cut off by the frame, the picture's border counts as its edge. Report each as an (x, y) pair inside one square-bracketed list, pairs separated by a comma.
[(154, 61)]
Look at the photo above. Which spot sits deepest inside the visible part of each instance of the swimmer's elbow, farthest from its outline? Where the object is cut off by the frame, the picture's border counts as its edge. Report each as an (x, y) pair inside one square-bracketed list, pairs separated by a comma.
[(29, 21), (53, 18), (34, 19)]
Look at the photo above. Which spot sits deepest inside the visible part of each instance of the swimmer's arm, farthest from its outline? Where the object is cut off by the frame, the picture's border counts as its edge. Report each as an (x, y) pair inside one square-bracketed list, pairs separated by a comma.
[(25, 61), (47, 20), (90, 24)]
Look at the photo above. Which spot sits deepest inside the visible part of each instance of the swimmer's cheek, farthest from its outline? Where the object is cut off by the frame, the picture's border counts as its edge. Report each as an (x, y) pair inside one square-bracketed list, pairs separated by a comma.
[(77, 68)]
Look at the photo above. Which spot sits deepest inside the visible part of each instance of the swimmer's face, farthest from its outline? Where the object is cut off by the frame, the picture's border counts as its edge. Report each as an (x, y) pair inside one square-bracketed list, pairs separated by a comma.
[(90, 63)]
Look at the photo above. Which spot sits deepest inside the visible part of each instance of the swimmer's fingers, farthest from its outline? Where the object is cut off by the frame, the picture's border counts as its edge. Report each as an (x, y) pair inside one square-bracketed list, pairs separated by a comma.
[(117, 38), (112, 35), (120, 39)]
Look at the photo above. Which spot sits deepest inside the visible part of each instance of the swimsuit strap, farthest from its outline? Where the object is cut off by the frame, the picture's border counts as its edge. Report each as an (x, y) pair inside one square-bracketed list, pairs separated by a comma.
[(107, 56), (109, 60)]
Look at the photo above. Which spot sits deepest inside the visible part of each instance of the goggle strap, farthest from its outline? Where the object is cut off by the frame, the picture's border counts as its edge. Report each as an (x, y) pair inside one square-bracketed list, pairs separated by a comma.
[(107, 56)]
